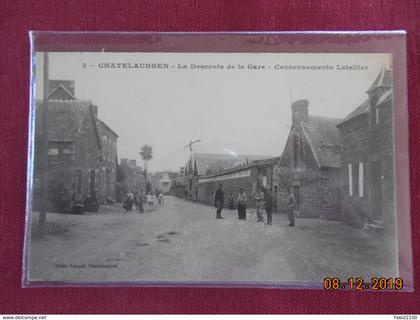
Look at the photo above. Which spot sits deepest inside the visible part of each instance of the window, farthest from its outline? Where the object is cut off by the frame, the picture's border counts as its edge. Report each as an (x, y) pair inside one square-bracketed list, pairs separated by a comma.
[(109, 150), (361, 179), (350, 175), (375, 116), (52, 151), (356, 179), (60, 152), (355, 172), (264, 181), (103, 147)]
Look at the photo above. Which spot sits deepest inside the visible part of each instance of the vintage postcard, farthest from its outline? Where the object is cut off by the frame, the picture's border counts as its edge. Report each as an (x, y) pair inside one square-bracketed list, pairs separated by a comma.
[(212, 168)]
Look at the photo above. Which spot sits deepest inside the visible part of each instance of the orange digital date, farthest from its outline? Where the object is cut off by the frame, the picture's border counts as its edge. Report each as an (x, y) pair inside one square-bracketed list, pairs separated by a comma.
[(359, 284)]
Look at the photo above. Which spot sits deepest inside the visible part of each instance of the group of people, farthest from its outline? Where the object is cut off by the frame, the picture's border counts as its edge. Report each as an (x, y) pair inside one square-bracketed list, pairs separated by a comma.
[(263, 200), (139, 199)]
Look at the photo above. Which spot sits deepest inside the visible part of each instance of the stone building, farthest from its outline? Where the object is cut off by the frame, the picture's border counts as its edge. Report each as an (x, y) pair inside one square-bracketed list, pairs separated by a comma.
[(108, 161), (206, 164), (178, 183), (162, 181), (248, 176), (310, 164), (367, 171), (75, 149), (130, 178)]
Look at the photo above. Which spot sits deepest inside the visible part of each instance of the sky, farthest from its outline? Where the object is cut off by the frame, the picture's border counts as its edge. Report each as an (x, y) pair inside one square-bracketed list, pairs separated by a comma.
[(237, 111)]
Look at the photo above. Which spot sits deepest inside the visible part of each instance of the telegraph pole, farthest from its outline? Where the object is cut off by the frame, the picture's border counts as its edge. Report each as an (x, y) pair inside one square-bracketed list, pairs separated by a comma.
[(44, 149), (189, 146)]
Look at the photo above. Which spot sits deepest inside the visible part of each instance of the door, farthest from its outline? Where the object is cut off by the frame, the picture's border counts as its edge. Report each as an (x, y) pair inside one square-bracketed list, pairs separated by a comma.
[(376, 191)]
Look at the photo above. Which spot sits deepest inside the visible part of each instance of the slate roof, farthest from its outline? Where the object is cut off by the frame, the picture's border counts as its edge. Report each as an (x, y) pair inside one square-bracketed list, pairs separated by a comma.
[(101, 123), (244, 166), (383, 80), (324, 138), (217, 162), (362, 109), (66, 119)]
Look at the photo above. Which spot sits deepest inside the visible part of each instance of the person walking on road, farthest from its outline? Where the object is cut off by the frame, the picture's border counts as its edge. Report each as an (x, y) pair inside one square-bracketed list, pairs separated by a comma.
[(269, 204), (290, 207), (161, 199), (259, 203), (219, 199), (129, 202), (242, 204), (140, 202)]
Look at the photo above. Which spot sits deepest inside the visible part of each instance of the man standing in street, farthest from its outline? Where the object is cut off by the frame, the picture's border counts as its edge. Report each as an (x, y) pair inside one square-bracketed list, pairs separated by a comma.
[(219, 199), (290, 207), (259, 203), (269, 206), (242, 204)]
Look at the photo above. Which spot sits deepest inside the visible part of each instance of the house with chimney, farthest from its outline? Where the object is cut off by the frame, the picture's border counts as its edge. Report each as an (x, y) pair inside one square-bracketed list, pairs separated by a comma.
[(310, 164), (367, 171), (80, 163)]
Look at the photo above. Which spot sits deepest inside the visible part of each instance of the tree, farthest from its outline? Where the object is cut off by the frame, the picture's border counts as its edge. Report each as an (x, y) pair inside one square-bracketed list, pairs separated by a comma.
[(147, 155)]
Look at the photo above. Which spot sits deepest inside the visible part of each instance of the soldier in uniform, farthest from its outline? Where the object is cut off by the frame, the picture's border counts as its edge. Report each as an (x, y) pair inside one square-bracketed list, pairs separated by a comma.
[(269, 206), (219, 199), (290, 207)]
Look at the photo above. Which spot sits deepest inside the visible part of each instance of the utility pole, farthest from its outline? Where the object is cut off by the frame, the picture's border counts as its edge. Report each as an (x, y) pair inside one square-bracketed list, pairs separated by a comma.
[(189, 146), (43, 168)]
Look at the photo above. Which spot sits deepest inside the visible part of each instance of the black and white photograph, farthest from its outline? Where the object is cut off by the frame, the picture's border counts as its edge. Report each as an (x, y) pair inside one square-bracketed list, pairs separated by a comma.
[(212, 168)]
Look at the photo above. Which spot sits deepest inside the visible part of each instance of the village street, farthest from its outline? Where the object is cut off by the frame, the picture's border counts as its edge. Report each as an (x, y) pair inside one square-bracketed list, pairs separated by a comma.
[(183, 241)]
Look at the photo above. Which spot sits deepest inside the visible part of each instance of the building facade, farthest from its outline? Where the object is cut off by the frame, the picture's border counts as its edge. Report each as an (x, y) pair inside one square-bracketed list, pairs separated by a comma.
[(107, 170), (130, 178), (74, 149), (208, 164), (259, 173), (162, 181), (310, 165), (367, 171)]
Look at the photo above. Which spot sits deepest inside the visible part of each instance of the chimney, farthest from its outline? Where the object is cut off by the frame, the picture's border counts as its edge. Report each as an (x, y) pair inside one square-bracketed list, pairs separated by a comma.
[(300, 111), (133, 163), (124, 162)]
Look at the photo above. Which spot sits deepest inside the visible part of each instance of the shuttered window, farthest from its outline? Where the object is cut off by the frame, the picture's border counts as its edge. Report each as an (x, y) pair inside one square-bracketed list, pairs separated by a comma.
[(350, 175), (361, 180)]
